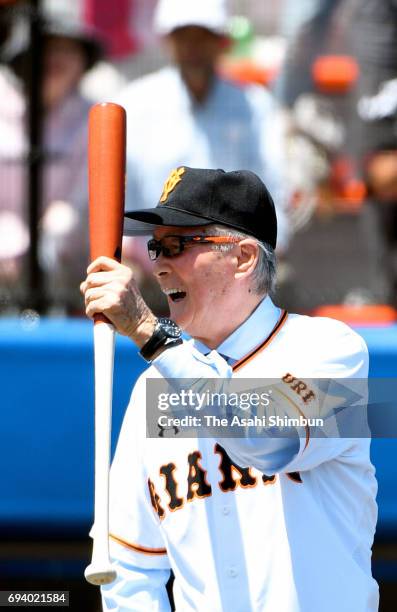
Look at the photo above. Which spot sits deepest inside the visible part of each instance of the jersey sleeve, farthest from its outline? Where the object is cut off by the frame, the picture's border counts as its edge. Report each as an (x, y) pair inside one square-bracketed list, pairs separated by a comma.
[(135, 589), (340, 372), (186, 362), (133, 523), (331, 424)]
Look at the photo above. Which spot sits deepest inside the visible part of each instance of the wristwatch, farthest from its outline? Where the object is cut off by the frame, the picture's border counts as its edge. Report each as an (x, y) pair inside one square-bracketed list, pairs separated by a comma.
[(166, 335)]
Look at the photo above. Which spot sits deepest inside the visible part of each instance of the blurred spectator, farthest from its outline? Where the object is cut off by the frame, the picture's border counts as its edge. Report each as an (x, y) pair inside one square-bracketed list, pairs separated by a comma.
[(185, 114), (375, 135), (4, 24), (313, 86), (69, 51), (317, 31)]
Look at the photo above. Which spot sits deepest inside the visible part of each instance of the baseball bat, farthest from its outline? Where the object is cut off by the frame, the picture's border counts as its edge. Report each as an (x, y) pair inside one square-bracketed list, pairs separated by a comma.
[(106, 185)]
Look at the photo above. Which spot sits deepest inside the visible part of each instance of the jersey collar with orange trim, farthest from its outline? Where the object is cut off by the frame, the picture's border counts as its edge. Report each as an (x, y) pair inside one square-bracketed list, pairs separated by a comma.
[(250, 334)]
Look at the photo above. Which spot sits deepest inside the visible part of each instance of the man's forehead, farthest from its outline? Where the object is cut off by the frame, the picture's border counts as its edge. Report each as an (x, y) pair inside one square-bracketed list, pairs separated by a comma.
[(171, 230)]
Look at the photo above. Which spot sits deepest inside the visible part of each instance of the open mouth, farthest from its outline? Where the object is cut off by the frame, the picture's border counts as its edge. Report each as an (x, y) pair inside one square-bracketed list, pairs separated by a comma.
[(176, 295)]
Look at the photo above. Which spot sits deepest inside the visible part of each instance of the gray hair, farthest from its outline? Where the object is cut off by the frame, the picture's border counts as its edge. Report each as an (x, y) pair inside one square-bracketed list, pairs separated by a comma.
[(264, 276)]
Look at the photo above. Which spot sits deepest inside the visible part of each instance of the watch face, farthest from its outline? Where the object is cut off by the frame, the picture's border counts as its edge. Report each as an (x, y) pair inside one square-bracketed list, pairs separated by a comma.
[(170, 327)]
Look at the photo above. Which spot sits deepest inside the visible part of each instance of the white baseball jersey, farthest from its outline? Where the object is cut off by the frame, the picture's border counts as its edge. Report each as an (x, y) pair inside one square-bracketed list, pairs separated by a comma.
[(295, 538)]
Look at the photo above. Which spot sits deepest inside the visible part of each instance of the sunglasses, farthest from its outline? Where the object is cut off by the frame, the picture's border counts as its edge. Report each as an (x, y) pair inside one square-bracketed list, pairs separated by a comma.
[(171, 246)]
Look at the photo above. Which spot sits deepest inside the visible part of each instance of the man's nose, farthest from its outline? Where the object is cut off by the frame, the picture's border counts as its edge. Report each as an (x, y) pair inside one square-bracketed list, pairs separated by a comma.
[(161, 266)]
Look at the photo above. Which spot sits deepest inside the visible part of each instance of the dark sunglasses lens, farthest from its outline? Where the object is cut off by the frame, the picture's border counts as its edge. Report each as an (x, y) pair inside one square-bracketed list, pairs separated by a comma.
[(171, 245), (154, 249)]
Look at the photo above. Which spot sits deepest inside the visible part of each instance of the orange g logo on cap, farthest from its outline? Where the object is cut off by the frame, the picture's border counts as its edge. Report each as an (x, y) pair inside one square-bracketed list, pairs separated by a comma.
[(174, 178)]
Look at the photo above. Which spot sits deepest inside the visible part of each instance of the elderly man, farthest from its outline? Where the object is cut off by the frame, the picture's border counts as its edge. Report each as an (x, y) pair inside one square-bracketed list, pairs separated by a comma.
[(246, 524)]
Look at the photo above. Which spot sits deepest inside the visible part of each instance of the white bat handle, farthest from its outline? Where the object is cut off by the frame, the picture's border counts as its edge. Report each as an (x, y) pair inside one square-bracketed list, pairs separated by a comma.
[(100, 570)]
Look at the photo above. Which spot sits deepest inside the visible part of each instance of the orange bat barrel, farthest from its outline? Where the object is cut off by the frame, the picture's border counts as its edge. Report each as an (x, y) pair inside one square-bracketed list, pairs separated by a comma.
[(106, 180), (106, 170)]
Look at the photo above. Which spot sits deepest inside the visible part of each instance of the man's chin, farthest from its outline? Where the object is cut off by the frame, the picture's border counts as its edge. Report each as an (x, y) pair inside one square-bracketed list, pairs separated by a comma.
[(180, 318), (176, 314)]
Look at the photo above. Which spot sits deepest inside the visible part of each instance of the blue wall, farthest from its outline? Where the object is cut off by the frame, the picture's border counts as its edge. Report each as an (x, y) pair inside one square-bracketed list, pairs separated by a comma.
[(46, 433)]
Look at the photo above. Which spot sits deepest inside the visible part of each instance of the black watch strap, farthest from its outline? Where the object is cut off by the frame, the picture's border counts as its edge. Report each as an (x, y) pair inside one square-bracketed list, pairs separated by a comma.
[(166, 335)]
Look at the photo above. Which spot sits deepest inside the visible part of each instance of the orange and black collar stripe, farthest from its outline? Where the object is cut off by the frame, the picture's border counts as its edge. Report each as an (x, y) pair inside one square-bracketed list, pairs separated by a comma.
[(244, 360)]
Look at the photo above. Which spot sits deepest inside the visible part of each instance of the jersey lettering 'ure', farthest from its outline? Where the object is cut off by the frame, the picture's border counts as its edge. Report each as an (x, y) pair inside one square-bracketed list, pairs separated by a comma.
[(300, 388)]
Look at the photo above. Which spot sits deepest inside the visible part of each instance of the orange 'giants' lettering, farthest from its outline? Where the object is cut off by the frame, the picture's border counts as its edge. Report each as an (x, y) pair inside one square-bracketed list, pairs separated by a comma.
[(227, 467), (171, 486), (155, 499), (197, 484)]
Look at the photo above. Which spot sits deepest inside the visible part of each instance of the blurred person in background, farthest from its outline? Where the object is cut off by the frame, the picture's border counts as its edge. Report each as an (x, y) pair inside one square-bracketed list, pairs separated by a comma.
[(374, 135), (186, 114), (69, 51), (316, 86), (316, 106), (311, 26)]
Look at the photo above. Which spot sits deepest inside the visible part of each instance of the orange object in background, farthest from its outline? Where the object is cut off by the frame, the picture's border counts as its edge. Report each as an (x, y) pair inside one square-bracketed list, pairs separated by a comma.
[(354, 193), (349, 190), (335, 74), (363, 315), (245, 71)]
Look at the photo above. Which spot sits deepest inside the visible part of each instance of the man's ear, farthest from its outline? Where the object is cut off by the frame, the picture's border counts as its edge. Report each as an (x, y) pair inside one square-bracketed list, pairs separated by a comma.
[(246, 258)]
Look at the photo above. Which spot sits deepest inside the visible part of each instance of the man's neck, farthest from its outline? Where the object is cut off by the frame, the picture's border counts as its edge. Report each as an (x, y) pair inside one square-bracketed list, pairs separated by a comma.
[(235, 320)]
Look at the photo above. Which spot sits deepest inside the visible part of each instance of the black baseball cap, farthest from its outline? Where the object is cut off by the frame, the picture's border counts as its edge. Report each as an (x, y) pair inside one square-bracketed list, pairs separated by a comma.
[(196, 196)]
